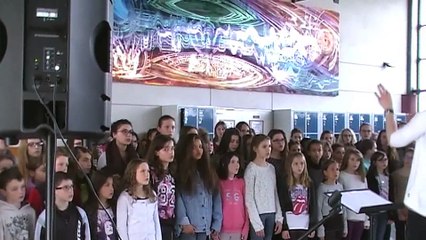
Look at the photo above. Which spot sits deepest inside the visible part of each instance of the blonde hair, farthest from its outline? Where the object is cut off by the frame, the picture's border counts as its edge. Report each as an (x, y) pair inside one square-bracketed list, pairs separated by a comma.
[(130, 183), (304, 177), (348, 153), (24, 159), (340, 138)]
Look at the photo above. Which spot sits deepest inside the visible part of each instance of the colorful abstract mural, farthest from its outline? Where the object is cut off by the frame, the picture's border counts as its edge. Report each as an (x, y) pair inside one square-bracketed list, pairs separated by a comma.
[(259, 45)]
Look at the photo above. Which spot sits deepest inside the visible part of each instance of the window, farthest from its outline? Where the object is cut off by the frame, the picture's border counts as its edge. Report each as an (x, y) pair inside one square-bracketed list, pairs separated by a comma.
[(421, 54)]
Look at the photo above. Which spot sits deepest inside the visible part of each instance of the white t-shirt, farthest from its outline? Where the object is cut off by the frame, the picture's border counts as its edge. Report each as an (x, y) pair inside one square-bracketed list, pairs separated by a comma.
[(415, 130)]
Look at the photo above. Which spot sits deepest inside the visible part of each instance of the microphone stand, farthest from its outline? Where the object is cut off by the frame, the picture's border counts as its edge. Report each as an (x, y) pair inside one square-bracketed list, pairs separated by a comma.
[(334, 202), (332, 213)]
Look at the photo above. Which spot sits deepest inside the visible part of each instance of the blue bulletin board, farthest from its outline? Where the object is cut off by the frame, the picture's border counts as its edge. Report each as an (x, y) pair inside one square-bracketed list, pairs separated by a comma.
[(339, 122), (299, 121), (354, 121), (198, 117), (328, 122), (307, 122), (379, 122)]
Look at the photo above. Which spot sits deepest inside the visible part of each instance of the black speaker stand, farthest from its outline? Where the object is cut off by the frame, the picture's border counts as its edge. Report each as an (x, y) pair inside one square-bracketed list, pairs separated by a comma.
[(50, 193)]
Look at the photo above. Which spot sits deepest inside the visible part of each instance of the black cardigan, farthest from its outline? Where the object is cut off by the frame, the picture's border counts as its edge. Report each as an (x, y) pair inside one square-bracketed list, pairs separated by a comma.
[(287, 205)]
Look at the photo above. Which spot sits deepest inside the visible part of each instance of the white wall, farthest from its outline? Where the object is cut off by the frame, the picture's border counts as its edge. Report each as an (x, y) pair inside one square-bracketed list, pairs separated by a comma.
[(372, 32)]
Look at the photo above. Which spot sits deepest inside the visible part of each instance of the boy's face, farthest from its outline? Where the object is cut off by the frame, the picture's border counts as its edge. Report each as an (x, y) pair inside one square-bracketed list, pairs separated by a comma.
[(5, 164), (15, 191), (61, 164), (167, 127), (64, 192)]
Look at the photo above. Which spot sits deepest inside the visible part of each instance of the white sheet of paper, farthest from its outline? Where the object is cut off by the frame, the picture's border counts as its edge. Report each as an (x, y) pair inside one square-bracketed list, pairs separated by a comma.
[(355, 200), (300, 222)]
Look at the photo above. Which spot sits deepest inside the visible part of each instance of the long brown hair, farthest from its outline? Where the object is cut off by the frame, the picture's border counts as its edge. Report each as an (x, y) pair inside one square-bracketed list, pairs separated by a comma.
[(353, 151), (255, 142), (157, 144), (271, 135), (188, 166), (130, 183), (304, 177)]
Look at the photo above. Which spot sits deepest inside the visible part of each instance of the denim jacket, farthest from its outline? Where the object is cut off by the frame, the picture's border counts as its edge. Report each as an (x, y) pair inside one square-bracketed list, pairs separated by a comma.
[(201, 208)]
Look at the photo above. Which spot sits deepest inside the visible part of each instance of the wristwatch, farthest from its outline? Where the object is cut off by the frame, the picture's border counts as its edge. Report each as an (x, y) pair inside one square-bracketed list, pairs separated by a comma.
[(389, 110)]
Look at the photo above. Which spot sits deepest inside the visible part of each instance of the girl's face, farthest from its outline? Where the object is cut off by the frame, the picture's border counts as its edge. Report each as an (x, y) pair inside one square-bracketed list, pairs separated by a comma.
[(353, 163), (347, 137), (315, 152), (61, 164), (278, 142), (34, 147), (197, 150), (332, 172), (233, 166), (384, 140), (295, 148), (40, 174), (6, 164), (107, 190), (234, 143), (85, 162), (245, 130), (338, 154), (220, 130), (142, 174), (124, 135), (263, 150), (298, 166), (297, 137), (135, 142), (167, 153), (327, 152), (382, 164), (328, 137)]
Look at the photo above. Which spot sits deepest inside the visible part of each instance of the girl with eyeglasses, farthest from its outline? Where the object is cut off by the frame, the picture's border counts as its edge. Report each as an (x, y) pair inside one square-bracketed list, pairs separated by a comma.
[(120, 150)]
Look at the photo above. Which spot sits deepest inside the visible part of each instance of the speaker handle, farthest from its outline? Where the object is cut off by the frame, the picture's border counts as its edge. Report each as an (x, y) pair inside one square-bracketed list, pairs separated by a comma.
[(3, 40), (101, 43)]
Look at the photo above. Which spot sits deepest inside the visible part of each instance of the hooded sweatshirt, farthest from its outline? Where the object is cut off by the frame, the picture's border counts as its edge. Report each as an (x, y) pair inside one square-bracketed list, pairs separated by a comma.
[(16, 223)]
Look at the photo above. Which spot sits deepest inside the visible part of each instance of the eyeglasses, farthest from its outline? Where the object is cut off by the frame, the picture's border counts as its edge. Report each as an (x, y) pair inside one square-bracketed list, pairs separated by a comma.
[(127, 131), (35, 144), (66, 188)]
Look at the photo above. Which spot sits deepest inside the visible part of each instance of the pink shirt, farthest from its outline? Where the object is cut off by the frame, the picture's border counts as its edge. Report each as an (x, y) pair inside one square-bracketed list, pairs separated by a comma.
[(235, 217)]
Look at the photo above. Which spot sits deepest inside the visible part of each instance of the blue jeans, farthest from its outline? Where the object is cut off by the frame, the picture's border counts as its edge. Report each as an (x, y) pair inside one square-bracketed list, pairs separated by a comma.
[(381, 222), (268, 221)]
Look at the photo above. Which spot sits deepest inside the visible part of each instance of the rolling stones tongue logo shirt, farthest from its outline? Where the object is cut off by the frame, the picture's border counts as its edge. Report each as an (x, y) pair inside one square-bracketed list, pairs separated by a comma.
[(299, 217)]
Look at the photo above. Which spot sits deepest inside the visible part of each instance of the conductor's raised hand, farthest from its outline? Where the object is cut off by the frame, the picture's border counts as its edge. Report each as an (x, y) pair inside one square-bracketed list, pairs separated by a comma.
[(384, 97)]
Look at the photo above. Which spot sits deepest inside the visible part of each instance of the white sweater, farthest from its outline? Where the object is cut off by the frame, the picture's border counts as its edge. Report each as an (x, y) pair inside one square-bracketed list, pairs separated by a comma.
[(137, 219), (261, 194), (353, 182), (415, 130)]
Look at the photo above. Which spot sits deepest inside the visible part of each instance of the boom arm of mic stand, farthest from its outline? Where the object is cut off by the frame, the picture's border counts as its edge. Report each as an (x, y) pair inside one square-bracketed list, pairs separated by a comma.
[(332, 213)]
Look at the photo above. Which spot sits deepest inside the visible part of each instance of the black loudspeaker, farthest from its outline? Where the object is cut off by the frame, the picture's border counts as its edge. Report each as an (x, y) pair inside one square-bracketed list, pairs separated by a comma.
[(61, 48)]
